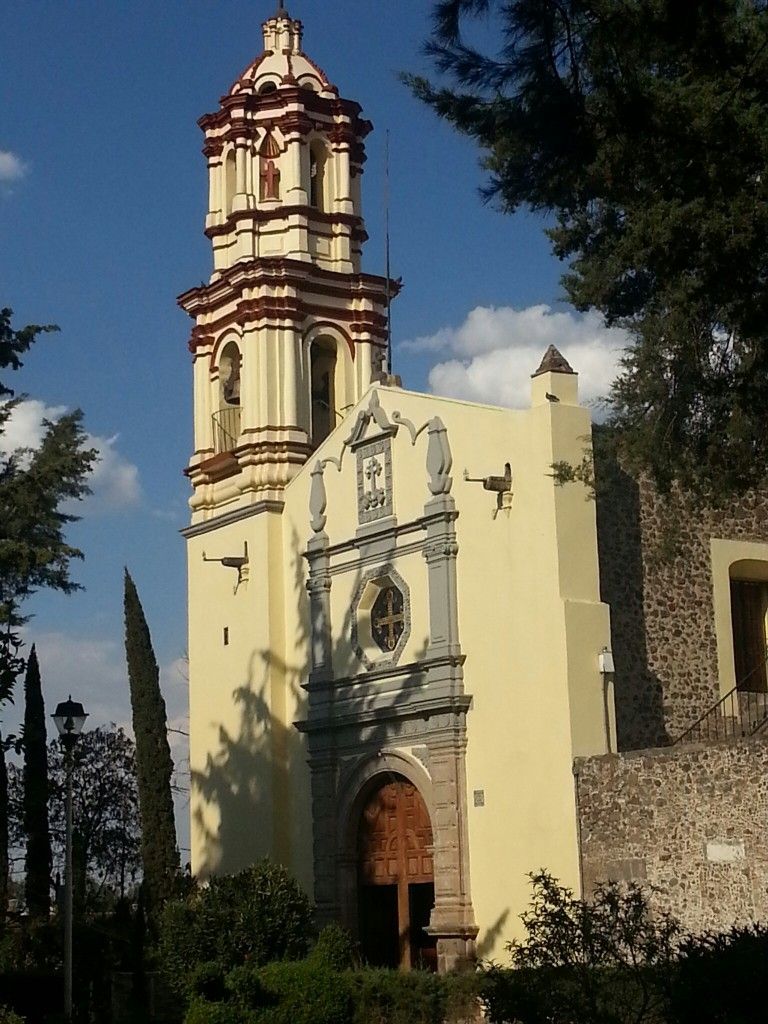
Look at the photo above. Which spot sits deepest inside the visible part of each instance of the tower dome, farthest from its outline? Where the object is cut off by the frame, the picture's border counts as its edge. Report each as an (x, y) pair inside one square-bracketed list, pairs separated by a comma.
[(283, 62)]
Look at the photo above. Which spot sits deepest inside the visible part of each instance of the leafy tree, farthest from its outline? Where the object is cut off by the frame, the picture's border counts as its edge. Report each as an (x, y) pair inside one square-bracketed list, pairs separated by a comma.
[(153, 756), (641, 127), (105, 813), (38, 854), (258, 915), (33, 487), (604, 961)]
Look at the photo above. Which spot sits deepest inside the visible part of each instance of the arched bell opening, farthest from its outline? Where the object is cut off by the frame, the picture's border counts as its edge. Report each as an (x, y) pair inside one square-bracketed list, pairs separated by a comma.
[(226, 418), (318, 176), (323, 388), (230, 181), (394, 874)]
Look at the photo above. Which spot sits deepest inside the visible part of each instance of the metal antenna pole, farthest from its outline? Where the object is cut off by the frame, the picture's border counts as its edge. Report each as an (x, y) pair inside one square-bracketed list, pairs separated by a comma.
[(386, 244)]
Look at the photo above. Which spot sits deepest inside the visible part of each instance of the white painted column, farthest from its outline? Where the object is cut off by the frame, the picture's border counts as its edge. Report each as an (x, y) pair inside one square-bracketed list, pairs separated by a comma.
[(214, 163), (364, 368), (290, 378), (344, 182), (239, 201), (294, 189), (203, 401)]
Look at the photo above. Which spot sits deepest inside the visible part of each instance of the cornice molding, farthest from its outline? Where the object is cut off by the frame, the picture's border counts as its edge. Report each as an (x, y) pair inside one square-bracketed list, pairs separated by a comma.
[(227, 518)]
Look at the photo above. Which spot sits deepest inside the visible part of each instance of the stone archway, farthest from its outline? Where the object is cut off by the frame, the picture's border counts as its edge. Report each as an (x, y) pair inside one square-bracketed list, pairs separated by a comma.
[(395, 875)]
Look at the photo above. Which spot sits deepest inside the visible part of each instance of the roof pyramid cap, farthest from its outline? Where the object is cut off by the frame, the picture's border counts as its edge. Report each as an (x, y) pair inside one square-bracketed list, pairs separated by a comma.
[(554, 361)]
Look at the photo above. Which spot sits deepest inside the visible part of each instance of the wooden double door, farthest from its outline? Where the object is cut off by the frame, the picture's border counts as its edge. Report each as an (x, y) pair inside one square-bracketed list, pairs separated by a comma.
[(396, 890)]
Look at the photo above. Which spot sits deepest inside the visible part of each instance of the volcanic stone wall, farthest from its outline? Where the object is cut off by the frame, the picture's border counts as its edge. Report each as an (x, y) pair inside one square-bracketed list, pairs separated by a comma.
[(655, 573), (690, 821)]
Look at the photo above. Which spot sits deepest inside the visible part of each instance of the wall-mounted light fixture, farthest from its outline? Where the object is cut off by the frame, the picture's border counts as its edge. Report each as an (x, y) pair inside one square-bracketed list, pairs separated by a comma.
[(238, 562), (500, 485), (608, 672), (605, 661)]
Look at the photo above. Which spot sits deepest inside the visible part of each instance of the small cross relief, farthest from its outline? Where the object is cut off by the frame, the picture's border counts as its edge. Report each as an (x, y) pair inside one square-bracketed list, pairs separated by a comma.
[(373, 495), (374, 480), (388, 619)]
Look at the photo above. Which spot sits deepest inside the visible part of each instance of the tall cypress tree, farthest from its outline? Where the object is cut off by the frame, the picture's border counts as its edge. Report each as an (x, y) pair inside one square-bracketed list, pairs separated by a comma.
[(153, 755), (38, 859)]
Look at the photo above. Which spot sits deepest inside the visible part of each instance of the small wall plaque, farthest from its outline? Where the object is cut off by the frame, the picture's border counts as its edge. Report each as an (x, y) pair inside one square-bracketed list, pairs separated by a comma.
[(725, 851), (479, 796)]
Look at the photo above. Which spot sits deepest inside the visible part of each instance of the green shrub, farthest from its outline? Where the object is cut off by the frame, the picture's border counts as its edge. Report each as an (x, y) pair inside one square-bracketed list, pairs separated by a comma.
[(336, 948), (603, 961), (462, 995), (254, 917), (381, 996), (720, 979), (207, 981), (303, 992), (202, 1012), (9, 1017)]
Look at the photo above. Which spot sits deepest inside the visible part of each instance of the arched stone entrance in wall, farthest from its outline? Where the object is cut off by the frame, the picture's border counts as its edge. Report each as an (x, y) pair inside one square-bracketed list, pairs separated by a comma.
[(395, 874)]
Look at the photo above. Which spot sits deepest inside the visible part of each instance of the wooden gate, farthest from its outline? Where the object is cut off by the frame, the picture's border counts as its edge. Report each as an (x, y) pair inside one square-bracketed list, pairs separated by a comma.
[(395, 876)]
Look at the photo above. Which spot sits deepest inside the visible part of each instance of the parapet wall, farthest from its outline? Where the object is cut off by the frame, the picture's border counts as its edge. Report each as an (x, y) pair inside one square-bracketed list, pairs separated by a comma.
[(690, 821)]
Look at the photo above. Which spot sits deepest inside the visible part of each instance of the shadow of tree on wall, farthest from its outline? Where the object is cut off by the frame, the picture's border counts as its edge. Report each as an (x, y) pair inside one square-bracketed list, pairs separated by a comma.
[(256, 763), (638, 693), (487, 940)]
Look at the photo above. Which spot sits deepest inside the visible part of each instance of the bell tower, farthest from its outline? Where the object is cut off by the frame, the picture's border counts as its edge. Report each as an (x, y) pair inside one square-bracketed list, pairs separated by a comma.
[(288, 332)]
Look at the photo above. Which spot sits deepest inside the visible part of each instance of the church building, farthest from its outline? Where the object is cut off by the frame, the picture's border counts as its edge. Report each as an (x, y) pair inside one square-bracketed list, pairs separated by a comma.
[(398, 650)]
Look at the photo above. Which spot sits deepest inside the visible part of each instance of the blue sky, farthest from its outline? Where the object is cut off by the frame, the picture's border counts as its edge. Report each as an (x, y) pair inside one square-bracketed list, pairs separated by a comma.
[(102, 199)]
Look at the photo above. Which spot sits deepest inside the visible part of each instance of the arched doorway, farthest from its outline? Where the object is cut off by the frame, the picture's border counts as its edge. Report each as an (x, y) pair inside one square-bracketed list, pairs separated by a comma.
[(396, 890)]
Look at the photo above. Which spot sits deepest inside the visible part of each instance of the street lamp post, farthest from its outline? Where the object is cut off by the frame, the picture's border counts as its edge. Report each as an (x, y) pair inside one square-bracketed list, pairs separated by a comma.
[(70, 719)]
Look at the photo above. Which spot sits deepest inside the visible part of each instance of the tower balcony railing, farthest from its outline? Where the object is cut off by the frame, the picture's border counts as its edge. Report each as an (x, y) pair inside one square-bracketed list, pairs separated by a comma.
[(226, 428)]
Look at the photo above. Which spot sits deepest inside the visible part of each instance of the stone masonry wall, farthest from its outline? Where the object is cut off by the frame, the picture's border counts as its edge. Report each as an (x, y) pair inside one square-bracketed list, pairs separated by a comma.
[(690, 821), (655, 574)]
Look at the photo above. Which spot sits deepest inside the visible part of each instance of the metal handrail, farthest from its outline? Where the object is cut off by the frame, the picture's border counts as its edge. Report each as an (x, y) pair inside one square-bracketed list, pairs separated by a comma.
[(226, 428), (739, 713)]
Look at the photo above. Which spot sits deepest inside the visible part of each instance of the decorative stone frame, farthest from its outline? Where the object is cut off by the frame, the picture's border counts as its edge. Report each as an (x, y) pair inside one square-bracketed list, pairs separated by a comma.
[(353, 738), (724, 555), (368, 589), (368, 512)]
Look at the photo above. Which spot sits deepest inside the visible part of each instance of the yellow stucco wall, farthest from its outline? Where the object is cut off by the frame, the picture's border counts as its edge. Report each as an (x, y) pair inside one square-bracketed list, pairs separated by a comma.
[(530, 624)]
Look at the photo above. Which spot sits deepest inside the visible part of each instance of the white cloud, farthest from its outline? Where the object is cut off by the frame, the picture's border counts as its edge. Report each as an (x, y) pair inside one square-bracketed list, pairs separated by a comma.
[(25, 427), (114, 480), (496, 349), (94, 672), (91, 669), (12, 167)]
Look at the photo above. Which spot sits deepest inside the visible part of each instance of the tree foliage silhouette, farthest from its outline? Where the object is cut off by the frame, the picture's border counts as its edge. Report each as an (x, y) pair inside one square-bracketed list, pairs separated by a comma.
[(37, 888), (34, 487), (153, 757), (641, 128)]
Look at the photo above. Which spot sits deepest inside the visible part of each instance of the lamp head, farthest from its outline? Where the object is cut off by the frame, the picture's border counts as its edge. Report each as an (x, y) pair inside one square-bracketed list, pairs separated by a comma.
[(69, 717)]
